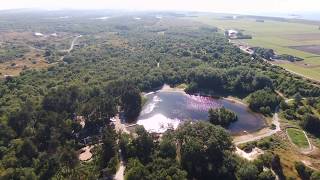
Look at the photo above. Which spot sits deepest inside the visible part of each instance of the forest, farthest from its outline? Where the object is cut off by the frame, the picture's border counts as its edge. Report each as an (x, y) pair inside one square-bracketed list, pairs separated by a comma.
[(115, 62)]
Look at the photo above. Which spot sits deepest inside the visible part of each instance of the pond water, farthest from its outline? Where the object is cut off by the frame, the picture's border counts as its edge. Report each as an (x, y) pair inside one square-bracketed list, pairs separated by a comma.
[(166, 109)]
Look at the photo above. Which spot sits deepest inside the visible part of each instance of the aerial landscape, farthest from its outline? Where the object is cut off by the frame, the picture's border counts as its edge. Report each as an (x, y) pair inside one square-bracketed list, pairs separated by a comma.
[(102, 92)]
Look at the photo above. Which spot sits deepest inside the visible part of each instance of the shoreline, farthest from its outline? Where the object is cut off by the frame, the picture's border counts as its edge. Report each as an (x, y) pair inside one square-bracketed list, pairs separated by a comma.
[(263, 130)]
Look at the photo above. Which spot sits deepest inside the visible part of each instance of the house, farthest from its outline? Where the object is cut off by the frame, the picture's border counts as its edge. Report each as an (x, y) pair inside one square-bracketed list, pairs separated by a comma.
[(232, 34)]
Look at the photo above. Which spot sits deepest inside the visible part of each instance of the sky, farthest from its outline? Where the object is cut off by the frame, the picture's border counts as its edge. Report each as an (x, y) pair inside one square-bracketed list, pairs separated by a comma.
[(229, 6)]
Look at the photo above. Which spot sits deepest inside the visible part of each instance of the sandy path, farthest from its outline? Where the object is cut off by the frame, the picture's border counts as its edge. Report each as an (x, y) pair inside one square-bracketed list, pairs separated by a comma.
[(120, 173), (120, 127), (265, 132), (71, 47)]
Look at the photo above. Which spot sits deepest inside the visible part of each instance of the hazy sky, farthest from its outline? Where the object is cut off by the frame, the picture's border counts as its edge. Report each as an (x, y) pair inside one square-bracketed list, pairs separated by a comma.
[(236, 6)]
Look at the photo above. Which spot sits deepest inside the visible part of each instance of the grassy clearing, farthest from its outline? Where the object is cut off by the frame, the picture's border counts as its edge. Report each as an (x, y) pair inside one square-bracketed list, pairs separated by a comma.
[(278, 36), (298, 138)]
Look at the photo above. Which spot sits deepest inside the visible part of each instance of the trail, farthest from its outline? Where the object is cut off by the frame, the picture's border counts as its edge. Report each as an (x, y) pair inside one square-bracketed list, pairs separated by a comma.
[(72, 43), (71, 47), (260, 134), (120, 128), (120, 173)]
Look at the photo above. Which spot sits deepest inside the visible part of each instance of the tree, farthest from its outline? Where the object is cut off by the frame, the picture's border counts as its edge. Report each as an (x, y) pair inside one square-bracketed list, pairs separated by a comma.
[(69, 159), (167, 149), (303, 171), (19, 120), (62, 100), (247, 172), (19, 173), (222, 117), (261, 82), (136, 170), (131, 103), (143, 145), (109, 147), (311, 123), (165, 169), (205, 151), (266, 175), (264, 101)]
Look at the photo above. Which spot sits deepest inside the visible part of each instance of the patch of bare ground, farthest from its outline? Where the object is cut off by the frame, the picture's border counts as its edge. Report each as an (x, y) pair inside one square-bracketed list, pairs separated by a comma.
[(251, 155), (85, 153)]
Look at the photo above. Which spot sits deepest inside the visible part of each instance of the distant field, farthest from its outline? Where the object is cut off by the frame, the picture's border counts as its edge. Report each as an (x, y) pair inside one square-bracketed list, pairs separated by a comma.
[(301, 40), (314, 49)]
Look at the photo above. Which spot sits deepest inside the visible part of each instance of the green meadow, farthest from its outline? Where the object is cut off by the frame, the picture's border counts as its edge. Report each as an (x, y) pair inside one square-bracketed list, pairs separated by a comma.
[(298, 138)]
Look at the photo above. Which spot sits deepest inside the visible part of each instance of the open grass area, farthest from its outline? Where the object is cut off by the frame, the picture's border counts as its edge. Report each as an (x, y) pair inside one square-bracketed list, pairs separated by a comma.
[(298, 138), (278, 36)]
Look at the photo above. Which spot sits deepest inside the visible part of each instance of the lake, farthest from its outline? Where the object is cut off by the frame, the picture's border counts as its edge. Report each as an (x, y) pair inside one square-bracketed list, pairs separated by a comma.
[(167, 109)]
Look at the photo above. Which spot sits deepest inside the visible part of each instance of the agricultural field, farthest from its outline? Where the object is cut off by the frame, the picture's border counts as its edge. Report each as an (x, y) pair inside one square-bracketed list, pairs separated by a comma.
[(285, 37)]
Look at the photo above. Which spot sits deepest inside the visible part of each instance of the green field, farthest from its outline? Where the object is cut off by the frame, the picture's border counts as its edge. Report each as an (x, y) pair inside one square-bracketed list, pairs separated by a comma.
[(298, 138), (278, 36)]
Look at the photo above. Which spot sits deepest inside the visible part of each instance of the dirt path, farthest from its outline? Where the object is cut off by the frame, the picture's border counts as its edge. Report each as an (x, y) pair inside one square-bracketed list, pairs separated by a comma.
[(120, 127), (120, 173), (265, 132), (72, 43), (71, 47)]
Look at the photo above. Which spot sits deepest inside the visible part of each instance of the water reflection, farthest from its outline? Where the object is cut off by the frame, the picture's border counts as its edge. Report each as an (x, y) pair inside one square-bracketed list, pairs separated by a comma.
[(165, 110)]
